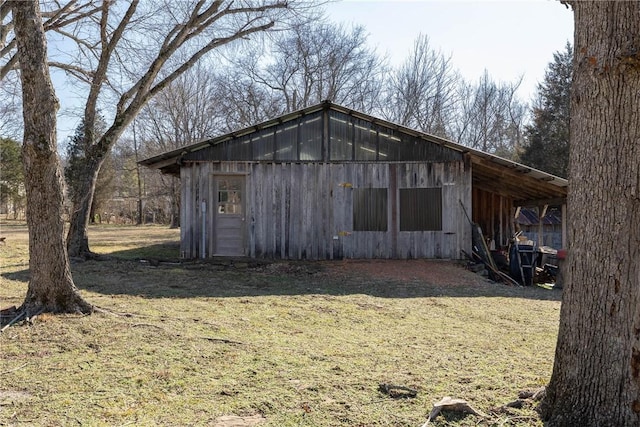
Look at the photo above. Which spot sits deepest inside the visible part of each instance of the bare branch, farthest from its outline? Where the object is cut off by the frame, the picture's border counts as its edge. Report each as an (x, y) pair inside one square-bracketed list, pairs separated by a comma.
[(182, 33), (108, 47), (11, 64), (72, 17), (78, 40), (80, 73)]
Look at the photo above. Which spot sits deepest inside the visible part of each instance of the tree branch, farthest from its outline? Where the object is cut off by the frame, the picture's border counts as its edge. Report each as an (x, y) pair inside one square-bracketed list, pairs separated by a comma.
[(80, 73), (11, 64)]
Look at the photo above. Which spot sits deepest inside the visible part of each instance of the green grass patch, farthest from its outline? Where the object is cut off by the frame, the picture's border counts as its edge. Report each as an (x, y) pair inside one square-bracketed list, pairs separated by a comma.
[(302, 344)]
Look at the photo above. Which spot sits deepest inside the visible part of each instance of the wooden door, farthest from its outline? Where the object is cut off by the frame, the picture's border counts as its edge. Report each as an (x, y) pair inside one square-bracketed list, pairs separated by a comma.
[(229, 215)]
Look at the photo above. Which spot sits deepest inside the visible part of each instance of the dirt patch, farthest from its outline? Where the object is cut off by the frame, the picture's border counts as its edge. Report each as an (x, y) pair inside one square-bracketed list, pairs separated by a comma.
[(11, 397), (433, 272)]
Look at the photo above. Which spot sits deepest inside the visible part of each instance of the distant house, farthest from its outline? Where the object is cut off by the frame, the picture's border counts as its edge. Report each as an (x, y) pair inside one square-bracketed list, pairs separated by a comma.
[(327, 182)]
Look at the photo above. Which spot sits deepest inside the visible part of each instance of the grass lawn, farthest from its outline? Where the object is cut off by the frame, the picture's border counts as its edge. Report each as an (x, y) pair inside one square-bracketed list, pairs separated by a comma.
[(284, 344)]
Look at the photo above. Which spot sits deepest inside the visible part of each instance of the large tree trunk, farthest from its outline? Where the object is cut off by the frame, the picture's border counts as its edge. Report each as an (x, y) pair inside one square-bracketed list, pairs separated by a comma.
[(596, 375), (51, 286)]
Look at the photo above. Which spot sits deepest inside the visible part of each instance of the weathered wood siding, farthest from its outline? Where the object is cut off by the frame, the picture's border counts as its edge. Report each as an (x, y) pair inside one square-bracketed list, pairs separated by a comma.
[(305, 210)]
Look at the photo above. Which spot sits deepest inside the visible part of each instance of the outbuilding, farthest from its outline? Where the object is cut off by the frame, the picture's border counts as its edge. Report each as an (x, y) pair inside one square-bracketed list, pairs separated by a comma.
[(327, 182)]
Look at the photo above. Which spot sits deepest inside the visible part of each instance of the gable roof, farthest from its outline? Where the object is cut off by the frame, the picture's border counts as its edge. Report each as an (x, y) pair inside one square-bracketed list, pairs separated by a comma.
[(524, 184)]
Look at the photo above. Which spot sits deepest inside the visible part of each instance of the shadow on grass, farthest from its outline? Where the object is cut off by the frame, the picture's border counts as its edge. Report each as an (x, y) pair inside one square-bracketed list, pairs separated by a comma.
[(156, 272)]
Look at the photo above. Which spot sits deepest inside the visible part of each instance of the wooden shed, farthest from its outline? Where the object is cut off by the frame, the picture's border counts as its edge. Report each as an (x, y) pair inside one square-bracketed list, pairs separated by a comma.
[(327, 182)]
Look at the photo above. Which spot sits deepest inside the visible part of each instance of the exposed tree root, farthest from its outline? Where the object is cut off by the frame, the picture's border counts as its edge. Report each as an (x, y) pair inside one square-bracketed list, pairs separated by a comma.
[(33, 307), (88, 256)]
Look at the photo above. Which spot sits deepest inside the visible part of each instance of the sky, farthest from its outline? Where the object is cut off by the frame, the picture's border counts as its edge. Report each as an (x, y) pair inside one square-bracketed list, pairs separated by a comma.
[(507, 38)]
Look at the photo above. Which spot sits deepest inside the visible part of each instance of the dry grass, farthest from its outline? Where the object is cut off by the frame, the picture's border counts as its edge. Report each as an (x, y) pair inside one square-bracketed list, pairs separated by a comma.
[(302, 344)]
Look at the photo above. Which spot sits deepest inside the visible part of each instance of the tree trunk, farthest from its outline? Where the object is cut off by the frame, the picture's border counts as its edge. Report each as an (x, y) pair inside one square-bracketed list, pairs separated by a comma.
[(596, 374), (51, 286), (84, 189)]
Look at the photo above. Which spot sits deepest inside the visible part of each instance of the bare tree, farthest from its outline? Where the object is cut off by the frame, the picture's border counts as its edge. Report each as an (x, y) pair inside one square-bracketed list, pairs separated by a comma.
[(186, 111), (10, 108), (51, 286), (422, 92), (243, 102), (490, 117), (315, 61), (135, 52), (596, 373)]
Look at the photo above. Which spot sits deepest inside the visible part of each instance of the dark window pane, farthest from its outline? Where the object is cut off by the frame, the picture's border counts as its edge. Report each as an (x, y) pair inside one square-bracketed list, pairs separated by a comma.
[(341, 136), (287, 141), (420, 209), (369, 209), (311, 138), (263, 144), (365, 140), (389, 145), (239, 149)]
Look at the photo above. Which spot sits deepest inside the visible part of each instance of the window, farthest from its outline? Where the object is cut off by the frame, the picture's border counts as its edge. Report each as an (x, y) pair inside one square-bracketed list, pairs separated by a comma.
[(230, 196), (341, 142), (366, 140), (369, 209), (420, 209)]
